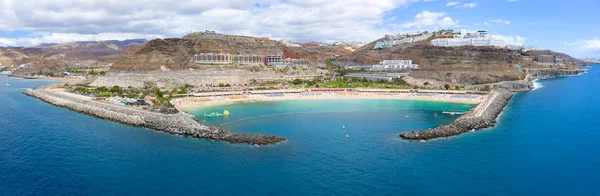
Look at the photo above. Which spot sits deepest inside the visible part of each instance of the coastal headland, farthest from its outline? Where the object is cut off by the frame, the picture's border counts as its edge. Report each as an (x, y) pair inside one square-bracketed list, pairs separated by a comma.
[(178, 124)]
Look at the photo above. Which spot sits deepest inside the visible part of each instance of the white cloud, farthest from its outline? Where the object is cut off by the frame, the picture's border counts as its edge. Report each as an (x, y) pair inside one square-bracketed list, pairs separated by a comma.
[(430, 19), (71, 37), (513, 0), (585, 46), (459, 5), (500, 21), (450, 4), (469, 5), (512, 40), (302, 20)]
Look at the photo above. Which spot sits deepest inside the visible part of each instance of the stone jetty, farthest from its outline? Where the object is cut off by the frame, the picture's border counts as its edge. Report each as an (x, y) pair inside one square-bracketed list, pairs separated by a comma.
[(481, 117), (179, 124)]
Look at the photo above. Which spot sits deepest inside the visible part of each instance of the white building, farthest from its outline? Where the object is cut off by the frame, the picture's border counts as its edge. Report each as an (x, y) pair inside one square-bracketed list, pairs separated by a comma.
[(395, 65), (401, 39), (466, 38), (387, 65)]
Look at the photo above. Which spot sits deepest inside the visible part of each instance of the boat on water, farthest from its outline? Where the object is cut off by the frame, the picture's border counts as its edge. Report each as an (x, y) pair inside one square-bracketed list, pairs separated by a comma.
[(217, 114), (343, 126), (213, 114), (453, 113)]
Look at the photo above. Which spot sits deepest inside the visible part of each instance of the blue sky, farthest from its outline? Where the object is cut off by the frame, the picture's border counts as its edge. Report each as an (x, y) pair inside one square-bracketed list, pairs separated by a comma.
[(564, 26)]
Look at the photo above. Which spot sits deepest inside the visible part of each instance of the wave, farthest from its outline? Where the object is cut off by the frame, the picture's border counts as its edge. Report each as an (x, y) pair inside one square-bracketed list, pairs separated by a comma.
[(537, 84)]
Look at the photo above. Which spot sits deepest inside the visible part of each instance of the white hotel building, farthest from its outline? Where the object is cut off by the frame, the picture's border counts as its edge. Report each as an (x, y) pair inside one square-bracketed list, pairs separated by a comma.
[(465, 38)]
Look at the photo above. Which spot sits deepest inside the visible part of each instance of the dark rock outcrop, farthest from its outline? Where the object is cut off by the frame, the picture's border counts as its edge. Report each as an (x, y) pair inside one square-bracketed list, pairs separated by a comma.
[(534, 74), (178, 124), (552, 73), (515, 86)]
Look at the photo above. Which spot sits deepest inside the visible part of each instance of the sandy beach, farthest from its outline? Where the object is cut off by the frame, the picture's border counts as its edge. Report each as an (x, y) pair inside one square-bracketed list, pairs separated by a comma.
[(189, 103)]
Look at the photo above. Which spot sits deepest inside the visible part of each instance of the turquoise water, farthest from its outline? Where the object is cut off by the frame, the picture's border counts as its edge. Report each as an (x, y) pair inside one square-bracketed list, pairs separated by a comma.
[(545, 144)]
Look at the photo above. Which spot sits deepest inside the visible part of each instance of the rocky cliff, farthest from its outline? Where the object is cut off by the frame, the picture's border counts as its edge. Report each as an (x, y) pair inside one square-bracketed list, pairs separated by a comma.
[(552, 73), (533, 74)]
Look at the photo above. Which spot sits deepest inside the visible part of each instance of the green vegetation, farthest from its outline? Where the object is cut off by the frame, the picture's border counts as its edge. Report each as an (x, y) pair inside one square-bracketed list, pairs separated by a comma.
[(182, 90), (270, 84), (224, 85), (343, 82), (86, 70), (297, 81), (104, 95), (161, 100), (485, 88)]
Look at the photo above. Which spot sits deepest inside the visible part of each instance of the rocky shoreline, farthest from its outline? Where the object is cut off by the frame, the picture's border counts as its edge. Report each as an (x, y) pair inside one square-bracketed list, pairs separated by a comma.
[(481, 117), (178, 124), (534, 74)]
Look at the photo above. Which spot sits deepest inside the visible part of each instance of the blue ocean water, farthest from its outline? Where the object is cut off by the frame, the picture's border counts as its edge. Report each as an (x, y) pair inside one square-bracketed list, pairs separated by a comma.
[(545, 144)]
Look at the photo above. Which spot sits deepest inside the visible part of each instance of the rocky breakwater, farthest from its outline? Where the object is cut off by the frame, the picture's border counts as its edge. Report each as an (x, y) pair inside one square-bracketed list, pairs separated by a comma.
[(178, 124), (481, 117)]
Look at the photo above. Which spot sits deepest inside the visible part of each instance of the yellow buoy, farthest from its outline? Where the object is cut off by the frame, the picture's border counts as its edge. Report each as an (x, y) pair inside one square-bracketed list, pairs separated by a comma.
[(226, 113)]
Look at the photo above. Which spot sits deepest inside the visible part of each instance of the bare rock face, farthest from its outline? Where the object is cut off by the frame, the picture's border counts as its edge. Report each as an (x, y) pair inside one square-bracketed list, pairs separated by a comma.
[(515, 86), (533, 74), (553, 73), (178, 124)]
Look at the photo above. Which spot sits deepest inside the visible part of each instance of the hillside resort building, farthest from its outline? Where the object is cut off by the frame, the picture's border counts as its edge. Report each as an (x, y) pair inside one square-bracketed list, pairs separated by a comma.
[(223, 58), (401, 39), (387, 65), (466, 38)]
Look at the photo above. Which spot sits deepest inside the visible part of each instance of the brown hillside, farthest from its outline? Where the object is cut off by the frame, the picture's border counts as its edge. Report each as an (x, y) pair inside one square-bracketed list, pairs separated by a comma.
[(53, 58), (178, 53), (457, 65)]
